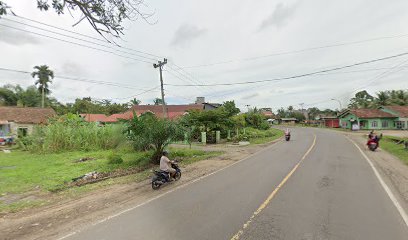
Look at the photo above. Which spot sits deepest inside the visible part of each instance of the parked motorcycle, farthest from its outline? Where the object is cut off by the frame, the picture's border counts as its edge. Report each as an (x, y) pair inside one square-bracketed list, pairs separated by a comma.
[(162, 177)]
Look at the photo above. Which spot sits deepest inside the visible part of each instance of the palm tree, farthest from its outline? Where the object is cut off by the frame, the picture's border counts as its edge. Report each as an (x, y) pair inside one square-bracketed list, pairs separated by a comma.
[(158, 101), (383, 98), (135, 101), (43, 74)]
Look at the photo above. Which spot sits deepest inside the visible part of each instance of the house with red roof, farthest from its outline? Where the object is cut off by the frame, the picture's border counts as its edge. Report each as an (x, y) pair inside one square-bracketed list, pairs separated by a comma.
[(20, 121), (173, 112), (401, 112)]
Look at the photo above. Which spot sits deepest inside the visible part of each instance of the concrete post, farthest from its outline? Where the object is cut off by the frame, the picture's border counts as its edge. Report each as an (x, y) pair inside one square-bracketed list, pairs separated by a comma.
[(229, 134), (185, 138), (217, 137), (203, 137)]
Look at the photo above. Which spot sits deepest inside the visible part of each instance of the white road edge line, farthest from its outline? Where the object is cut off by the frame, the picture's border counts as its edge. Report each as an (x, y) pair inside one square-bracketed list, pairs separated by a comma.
[(384, 185), (276, 142)]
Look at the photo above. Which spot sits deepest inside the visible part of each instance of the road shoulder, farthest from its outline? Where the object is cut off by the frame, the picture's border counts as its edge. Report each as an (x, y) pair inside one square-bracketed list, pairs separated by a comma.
[(393, 171)]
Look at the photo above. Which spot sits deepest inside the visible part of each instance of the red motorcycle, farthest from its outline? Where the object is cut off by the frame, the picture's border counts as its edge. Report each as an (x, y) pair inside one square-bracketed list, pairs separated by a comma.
[(374, 142)]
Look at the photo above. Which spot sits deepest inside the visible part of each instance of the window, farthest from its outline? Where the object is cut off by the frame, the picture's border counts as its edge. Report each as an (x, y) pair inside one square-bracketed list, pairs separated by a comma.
[(400, 124), (22, 132), (384, 124), (374, 124)]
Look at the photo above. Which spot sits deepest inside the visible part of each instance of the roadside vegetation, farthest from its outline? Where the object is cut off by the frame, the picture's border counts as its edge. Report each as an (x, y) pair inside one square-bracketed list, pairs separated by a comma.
[(396, 147), (68, 153)]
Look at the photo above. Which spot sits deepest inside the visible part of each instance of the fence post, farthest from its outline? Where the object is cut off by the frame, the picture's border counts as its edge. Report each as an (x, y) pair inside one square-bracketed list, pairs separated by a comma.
[(217, 137), (185, 138), (203, 137), (229, 134)]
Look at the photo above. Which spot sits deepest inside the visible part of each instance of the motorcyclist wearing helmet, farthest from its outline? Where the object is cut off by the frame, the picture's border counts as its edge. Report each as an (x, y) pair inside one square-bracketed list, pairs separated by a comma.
[(165, 164)]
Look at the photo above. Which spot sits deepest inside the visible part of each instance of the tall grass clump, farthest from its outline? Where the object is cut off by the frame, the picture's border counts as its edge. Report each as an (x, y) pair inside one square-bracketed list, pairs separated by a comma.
[(72, 133)]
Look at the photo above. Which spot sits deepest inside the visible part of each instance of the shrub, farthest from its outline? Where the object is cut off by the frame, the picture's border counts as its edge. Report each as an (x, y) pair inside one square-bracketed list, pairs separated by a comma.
[(71, 133), (149, 132), (115, 159)]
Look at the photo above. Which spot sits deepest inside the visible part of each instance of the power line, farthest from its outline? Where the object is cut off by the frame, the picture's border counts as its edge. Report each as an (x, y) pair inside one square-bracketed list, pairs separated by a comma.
[(296, 51), (297, 76), (79, 79), (74, 43), (149, 90), (79, 39), (381, 75), (84, 35)]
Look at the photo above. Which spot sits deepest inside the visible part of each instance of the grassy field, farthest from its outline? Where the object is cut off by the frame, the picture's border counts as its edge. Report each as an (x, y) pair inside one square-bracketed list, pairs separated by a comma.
[(22, 173), (397, 150), (265, 136)]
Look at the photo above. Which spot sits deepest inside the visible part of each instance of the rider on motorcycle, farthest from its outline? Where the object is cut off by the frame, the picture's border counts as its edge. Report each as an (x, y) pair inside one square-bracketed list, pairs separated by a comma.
[(165, 164), (287, 131)]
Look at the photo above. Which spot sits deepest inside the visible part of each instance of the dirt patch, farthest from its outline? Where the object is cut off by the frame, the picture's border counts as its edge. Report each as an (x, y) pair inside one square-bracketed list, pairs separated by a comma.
[(84, 159), (395, 172), (68, 215)]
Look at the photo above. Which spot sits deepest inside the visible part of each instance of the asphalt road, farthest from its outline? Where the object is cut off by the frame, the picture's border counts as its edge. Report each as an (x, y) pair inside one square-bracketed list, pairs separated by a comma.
[(333, 194)]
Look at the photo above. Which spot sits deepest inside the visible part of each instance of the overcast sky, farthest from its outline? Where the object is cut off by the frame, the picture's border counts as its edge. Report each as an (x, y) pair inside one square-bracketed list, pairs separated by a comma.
[(222, 42)]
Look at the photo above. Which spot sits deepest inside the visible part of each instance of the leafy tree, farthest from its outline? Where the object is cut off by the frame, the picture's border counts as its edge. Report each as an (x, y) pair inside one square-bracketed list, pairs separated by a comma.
[(230, 108), (281, 113), (290, 108), (362, 99), (105, 16), (29, 97), (313, 112), (7, 97), (44, 76)]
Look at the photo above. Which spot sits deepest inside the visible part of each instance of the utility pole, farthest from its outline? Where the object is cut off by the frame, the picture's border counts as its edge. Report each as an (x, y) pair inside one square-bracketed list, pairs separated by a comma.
[(160, 66)]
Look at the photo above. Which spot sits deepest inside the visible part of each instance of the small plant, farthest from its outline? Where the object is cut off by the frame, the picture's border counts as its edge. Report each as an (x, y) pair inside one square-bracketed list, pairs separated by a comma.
[(115, 159)]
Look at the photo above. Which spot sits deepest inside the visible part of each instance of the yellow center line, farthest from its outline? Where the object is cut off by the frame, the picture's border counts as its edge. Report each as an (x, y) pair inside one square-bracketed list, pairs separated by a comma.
[(270, 197)]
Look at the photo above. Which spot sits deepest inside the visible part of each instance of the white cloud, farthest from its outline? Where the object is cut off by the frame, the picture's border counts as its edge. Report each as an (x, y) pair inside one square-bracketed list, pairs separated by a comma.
[(279, 17), (187, 33)]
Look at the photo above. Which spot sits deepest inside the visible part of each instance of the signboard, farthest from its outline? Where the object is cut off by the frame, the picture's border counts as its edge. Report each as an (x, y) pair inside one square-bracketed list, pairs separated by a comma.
[(355, 127)]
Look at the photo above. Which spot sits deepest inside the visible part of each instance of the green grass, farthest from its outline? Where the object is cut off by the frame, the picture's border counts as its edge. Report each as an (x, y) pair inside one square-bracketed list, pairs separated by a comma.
[(264, 136), (22, 172), (395, 149), (26, 171), (48, 171)]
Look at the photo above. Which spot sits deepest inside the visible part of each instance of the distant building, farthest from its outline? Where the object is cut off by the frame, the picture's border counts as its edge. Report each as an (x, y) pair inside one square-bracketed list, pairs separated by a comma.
[(267, 112), (367, 119), (401, 112), (20, 121), (288, 120), (173, 111)]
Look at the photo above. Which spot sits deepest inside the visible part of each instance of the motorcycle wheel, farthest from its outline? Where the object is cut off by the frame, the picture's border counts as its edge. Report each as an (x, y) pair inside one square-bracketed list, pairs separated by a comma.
[(177, 176), (156, 185)]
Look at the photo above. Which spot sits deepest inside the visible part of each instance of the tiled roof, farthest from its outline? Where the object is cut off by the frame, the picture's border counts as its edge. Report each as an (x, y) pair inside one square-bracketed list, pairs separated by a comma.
[(268, 113), (402, 111), (91, 117), (26, 114), (116, 117), (173, 111), (371, 113), (170, 108)]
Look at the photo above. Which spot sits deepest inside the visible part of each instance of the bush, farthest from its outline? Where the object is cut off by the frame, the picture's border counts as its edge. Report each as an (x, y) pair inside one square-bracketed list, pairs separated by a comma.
[(148, 132), (115, 159), (71, 133)]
